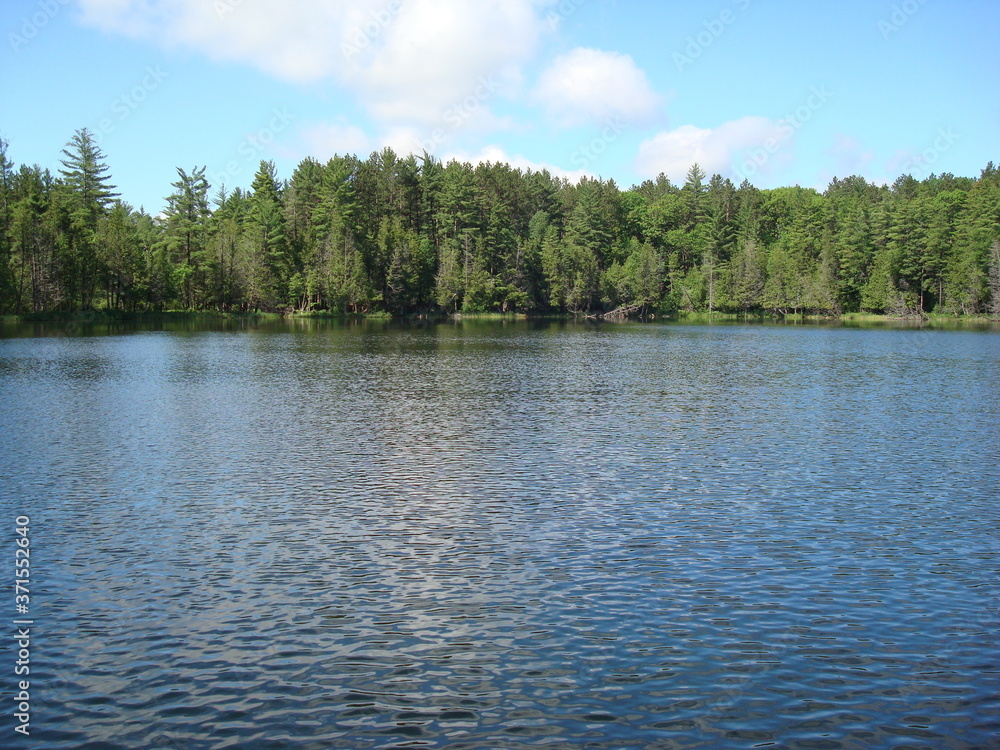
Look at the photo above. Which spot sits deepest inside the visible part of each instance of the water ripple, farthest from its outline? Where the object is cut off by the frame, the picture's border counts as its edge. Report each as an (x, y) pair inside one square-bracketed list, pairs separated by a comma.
[(510, 537)]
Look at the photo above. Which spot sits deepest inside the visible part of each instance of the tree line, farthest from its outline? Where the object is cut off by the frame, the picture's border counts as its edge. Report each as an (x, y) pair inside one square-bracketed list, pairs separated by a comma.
[(411, 234)]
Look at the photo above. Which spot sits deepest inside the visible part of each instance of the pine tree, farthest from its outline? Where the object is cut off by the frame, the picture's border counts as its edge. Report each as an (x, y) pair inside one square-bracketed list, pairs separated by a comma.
[(34, 241), (946, 213), (85, 176), (224, 248), (747, 278), (9, 301), (551, 255), (266, 257), (854, 254), (644, 273), (186, 232), (408, 234), (995, 279), (694, 192), (906, 239), (120, 245), (586, 236), (721, 232), (879, 293)]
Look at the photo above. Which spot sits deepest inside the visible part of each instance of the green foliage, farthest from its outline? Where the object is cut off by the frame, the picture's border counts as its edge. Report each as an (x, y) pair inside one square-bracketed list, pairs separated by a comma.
[(994, 280), (8, 287), (86, 198), (120, 246), (85, 175), (747, 279), (400, 235), (186, 235)]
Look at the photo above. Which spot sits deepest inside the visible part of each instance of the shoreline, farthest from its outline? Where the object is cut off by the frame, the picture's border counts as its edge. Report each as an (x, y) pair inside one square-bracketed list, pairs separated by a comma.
[(117, 316)]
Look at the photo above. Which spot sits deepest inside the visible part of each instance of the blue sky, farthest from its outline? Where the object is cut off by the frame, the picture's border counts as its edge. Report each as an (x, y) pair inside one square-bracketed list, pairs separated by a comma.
[(778, 92)]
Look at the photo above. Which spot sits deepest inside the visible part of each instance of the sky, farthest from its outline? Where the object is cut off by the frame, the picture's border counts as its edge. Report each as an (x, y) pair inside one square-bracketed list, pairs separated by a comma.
[(773, 91)]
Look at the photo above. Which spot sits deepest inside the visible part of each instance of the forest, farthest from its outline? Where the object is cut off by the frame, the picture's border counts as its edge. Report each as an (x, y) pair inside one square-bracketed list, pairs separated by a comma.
[(412, 235)]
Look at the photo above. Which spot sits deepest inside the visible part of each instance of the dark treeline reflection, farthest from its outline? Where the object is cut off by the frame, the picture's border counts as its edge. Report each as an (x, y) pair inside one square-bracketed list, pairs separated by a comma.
[(413, 235)]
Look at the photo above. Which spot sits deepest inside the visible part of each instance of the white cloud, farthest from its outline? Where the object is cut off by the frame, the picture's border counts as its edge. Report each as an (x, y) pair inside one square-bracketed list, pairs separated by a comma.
[(323, 141), (468, 51), (740, 148), (294, 40), (386, 51), (496, 155), (586, 86)]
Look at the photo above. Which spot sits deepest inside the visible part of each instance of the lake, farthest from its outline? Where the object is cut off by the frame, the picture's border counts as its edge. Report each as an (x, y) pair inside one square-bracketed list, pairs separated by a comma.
[(505, 535)]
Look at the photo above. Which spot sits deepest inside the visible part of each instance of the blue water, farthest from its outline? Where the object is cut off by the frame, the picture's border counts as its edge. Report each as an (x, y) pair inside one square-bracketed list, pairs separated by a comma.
[(507, 536)]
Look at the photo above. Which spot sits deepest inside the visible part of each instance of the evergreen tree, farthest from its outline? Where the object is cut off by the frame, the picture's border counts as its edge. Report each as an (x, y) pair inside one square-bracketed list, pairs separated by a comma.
[(994, 279), (579, 264), (265, 257), (644, 275), (301, 200), (880, 293), (945, 212), (224, 248), (747, 278), (34, 237), (186, 233), (89, 195), (9, 300), (120, 245), (86, 175), (408, 234)]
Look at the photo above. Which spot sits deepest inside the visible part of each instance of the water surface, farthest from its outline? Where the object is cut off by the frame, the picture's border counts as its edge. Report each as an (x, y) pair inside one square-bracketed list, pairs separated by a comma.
[(472, 535)]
